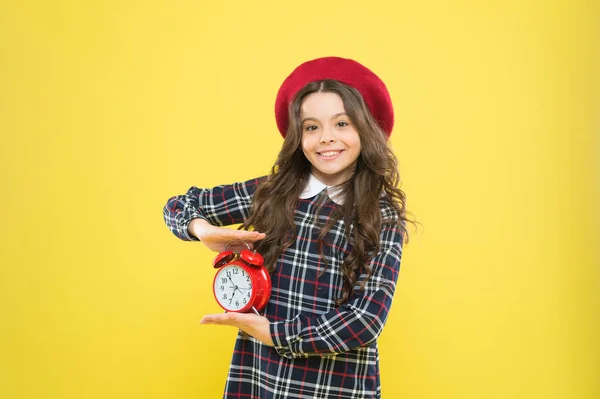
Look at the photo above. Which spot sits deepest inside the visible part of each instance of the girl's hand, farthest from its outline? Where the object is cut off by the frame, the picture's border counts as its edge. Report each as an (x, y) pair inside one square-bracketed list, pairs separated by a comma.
[(256, 326), (215, 238)]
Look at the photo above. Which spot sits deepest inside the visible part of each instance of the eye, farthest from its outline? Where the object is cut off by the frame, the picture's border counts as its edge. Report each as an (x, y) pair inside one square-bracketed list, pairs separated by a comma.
[(310, 128), (342, 124)]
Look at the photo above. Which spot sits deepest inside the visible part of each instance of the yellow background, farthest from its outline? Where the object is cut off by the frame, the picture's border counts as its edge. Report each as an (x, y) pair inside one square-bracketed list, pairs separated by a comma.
[(109, 108)]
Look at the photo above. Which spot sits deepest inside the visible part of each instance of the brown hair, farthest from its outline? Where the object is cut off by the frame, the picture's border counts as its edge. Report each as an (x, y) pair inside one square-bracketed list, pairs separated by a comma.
[(376, 173)]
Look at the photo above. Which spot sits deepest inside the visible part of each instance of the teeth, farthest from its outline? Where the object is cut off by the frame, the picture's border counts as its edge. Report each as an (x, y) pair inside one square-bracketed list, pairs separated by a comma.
[(329, 153)]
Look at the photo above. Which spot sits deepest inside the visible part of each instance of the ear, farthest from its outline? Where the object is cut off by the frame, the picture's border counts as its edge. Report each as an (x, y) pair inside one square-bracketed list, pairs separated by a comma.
[(251, 257), (223, 258)]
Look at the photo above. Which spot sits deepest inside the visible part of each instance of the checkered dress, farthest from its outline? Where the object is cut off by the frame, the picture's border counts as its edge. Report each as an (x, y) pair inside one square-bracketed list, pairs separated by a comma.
[(321, 350)]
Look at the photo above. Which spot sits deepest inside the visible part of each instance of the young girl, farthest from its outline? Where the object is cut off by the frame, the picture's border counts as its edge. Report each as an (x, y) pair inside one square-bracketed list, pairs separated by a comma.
[(330, 223)]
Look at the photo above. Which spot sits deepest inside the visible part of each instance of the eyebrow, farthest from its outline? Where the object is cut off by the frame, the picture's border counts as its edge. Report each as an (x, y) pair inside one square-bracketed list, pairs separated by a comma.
[(310, 118)]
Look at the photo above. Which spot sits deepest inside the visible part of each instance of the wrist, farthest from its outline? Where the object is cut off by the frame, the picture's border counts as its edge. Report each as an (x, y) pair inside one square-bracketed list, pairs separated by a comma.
[(196, 226)]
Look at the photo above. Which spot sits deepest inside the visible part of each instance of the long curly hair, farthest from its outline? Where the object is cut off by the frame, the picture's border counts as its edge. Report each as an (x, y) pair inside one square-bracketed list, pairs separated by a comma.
[(376, 178)]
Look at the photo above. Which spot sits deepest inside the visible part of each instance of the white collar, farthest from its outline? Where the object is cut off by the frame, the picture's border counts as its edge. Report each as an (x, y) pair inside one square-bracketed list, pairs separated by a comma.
[(315, 186)]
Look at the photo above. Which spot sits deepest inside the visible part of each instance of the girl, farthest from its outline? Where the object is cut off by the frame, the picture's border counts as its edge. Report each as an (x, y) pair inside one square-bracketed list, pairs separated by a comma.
[(330, 222)]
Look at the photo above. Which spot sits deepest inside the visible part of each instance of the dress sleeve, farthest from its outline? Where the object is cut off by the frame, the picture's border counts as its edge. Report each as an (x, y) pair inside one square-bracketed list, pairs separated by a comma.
[(220, 206), (358, 322)]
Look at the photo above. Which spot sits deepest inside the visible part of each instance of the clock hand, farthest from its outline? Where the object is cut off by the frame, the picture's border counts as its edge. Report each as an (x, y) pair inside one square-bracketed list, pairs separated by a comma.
[(232, 283), (235, 287)]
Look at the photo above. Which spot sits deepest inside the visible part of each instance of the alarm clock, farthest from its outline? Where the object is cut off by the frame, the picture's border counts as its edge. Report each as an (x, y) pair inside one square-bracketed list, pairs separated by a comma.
[(242, 284)]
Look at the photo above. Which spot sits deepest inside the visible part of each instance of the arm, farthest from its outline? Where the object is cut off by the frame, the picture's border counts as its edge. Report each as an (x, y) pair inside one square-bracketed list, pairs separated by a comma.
[(358, 322), (219, 206)]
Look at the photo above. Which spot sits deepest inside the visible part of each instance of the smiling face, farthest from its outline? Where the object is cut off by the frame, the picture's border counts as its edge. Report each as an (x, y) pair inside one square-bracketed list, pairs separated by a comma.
[(330, 141)]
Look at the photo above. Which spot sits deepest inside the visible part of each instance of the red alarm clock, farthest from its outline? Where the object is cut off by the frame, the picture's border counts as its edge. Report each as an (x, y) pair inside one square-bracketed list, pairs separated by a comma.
[(242, 283)]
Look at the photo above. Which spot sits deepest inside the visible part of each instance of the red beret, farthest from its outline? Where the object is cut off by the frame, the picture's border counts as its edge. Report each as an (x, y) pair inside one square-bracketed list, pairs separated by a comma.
[(344, 70)]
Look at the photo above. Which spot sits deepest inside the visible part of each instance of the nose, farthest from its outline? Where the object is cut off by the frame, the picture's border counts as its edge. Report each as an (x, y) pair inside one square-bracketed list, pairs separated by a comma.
[(327, 136)]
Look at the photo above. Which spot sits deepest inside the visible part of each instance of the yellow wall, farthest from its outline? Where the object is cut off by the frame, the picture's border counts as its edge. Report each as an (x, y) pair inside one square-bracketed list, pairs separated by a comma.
[(109, 108)]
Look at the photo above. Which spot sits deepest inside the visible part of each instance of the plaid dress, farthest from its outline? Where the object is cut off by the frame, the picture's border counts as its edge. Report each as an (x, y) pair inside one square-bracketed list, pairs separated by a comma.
[(321, 350)]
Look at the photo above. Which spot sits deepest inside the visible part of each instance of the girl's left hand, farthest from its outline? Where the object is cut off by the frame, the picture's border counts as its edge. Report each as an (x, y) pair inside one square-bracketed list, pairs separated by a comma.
[(256, 326)]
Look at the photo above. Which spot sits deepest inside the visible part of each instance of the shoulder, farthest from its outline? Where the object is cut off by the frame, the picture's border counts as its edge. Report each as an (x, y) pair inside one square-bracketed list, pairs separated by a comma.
[(389, 213), (392, 223)]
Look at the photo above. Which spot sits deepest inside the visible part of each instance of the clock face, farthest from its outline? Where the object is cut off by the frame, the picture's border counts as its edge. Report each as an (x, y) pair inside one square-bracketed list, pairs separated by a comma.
[(233, 287)]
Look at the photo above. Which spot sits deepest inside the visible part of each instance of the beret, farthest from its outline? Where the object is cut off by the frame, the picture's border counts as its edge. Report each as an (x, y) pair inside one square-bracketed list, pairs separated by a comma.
[(346, 71)]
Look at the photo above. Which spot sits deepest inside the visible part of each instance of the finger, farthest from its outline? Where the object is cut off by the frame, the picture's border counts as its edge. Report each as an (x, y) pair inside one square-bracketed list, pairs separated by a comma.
[(250, 235), (223, 318), (257, 236), (241, 235)]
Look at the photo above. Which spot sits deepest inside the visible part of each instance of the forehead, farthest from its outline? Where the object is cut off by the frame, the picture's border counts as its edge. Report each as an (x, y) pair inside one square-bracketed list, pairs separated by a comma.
[(321, 104)]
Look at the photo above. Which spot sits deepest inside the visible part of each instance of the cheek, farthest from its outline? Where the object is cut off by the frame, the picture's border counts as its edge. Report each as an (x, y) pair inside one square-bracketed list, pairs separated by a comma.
[(306, 143), (356, 143)]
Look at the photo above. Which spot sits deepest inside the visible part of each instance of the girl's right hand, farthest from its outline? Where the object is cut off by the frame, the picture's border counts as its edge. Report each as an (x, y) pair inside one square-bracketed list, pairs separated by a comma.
[(216, 238)]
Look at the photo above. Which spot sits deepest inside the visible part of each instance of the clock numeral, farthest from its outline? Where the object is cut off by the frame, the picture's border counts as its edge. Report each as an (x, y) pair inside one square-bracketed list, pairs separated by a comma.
[(248, 278), (222, 287), (223, 280), (235, 271), (248, 295), (243, 273), (237, 304), (245, 301), (224, 296)]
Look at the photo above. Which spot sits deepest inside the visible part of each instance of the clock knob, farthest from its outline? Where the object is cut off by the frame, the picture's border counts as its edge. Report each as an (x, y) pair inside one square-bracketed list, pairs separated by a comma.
[(253, 258)]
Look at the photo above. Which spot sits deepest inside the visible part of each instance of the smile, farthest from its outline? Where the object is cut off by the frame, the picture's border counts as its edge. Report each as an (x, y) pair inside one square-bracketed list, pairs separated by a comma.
[(330, 154)]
